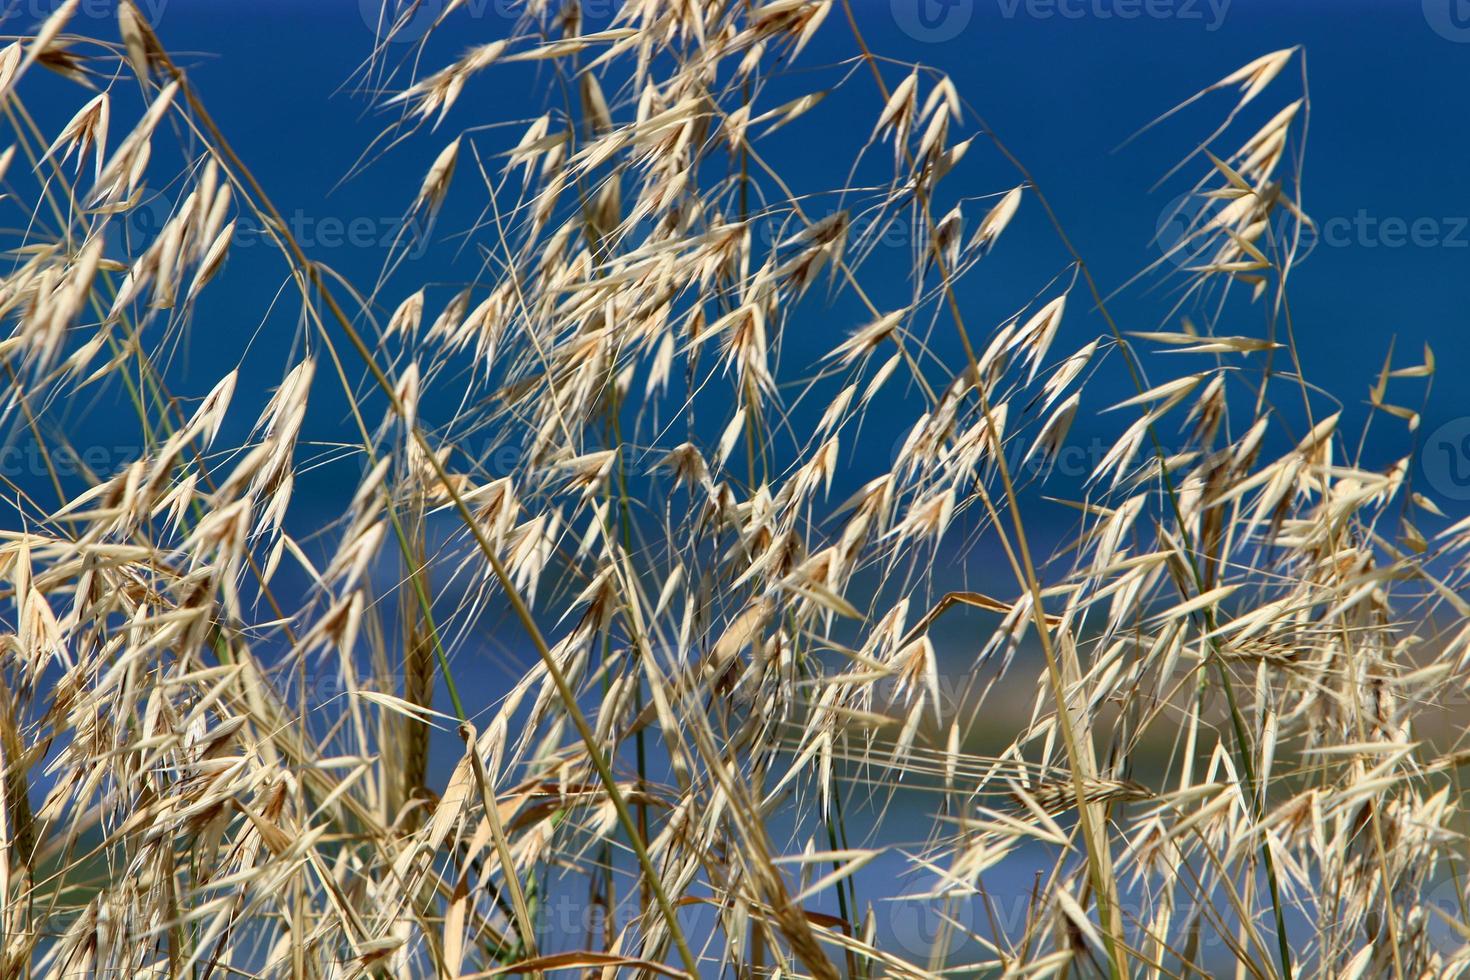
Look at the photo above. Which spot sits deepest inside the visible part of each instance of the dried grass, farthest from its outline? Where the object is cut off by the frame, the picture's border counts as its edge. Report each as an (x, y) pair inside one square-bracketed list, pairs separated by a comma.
[(1221, 692)]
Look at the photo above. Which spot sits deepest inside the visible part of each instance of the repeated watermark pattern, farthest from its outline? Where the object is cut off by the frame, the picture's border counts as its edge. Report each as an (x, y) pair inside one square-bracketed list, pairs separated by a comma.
[(20, 461), (1444, 459), (913, 927)]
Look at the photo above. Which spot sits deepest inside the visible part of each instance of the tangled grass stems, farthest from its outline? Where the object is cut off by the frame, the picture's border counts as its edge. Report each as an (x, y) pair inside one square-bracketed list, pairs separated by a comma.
[(1082, 766), (1221, 749)]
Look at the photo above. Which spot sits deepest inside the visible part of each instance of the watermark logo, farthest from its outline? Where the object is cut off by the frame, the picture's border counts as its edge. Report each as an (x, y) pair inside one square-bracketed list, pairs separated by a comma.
[(1444, 906), (401, 21), (1445, 459), (932, 21), (130, 233), (1450, 19)]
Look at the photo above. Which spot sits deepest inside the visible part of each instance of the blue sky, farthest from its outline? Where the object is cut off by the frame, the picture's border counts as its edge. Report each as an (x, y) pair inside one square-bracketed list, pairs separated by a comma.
[(1063, 82)]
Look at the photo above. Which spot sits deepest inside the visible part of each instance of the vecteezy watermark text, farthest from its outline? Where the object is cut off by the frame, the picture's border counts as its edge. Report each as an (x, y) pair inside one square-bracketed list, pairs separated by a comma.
[(1367, 230), (936, 21), (21, 460), (1187, 236), (39, 10), (405, 21), (1209, 13), (131, 233)]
